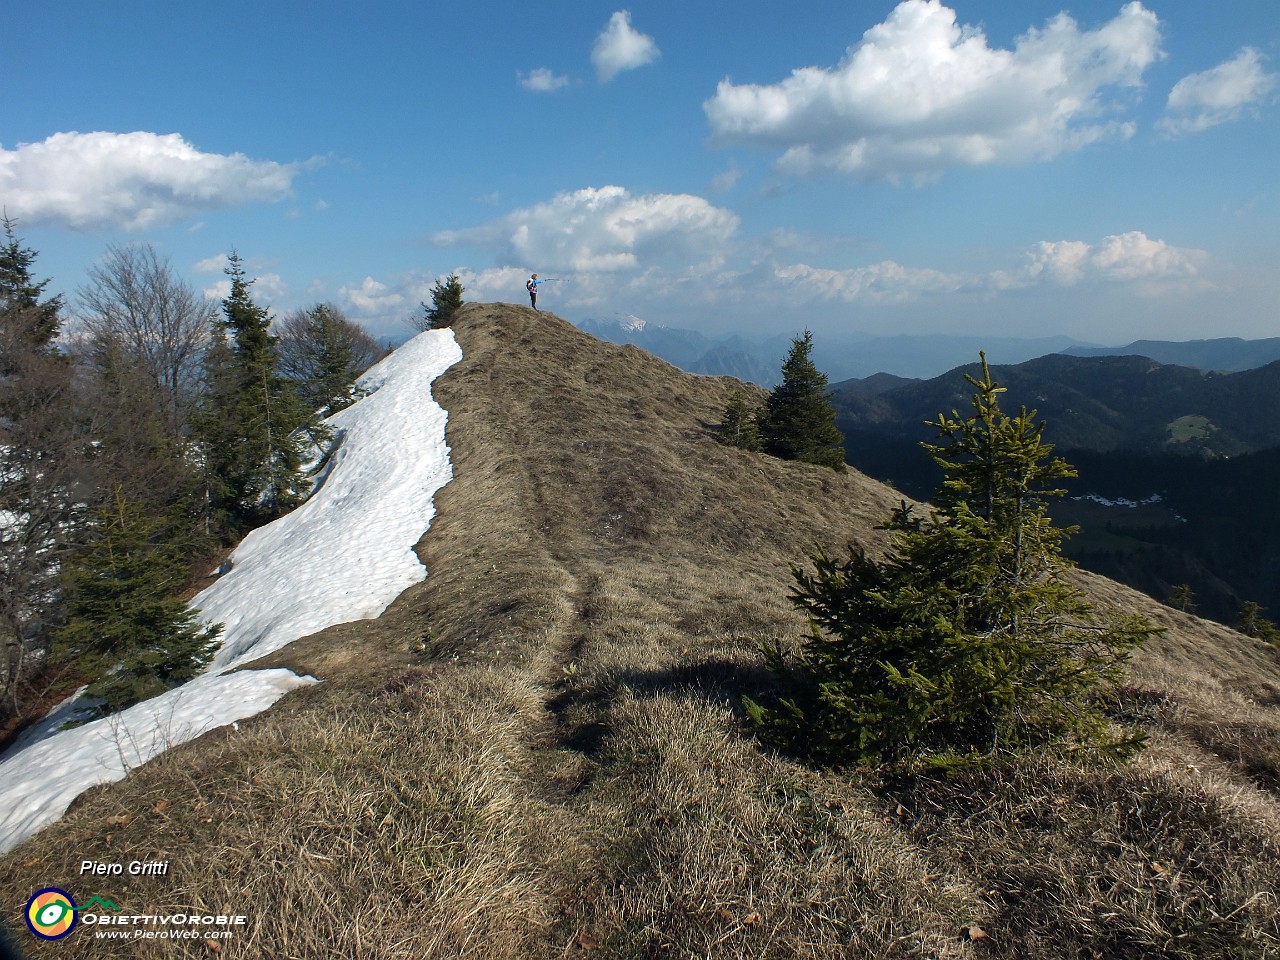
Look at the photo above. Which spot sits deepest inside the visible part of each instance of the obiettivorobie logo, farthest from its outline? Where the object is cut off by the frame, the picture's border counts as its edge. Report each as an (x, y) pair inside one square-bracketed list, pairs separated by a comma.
[(52, 914)]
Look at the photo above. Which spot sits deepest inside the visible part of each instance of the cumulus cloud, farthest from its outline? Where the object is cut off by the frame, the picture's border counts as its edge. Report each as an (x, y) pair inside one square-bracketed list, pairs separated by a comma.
[(373, 298), (1203, 100), (495, 284), (885, 282), (1124, 257), (130, 181), (266, 288), (1153, 266), (620, 47), (921, 93), (602, 230), (214, 264), (542, 80)]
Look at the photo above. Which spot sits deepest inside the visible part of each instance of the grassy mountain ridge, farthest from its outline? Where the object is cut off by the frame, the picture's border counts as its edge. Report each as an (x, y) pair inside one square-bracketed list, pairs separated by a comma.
[(539, 751)]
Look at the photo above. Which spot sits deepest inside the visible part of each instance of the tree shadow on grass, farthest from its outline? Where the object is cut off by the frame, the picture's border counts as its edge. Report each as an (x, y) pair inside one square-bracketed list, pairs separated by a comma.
[(584, 707)]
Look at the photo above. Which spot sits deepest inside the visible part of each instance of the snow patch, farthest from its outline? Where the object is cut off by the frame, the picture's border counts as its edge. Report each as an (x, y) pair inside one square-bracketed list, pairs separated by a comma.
[(344, 555)]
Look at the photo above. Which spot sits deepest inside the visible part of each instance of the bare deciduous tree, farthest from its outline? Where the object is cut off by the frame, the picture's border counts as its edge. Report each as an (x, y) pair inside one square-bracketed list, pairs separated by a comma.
[(134, 297)]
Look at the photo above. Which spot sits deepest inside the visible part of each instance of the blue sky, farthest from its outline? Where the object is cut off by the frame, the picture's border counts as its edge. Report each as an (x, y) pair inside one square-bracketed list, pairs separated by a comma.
[(1104, 170)]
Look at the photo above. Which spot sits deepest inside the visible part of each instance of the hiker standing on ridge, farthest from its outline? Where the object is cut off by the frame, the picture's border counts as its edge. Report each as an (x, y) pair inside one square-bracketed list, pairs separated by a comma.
[(532, 287)]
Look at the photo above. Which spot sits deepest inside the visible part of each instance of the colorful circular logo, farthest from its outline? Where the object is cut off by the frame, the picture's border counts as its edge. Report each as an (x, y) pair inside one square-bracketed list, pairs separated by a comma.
[(51, 913)]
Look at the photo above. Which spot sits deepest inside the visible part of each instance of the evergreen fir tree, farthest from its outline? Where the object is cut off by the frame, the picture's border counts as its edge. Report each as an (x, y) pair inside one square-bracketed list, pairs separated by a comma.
[(799, 422), (254, 429), (20, 294), (41, 449), (126, 624), (446, 300), (134, 452), (964, 643), (1252, 623), (1183, 598), (219, 443), (738, 426), (332, 367)]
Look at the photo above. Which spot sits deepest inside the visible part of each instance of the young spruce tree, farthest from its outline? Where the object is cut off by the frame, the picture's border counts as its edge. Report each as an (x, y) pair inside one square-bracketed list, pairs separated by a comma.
[(739, 425), (446, 300), (253, 427), (799, 422), (126, 623), (964, 643)]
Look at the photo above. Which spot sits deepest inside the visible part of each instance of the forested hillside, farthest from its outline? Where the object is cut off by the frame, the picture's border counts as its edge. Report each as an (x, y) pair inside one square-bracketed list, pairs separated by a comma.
[(1204, 444), (1097, 403)]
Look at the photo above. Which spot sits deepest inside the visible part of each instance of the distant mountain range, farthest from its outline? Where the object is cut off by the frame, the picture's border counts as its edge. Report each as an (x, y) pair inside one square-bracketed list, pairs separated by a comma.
[(1226, 353), (1178, 467), (849, 356), (1093, 403), (839, 357)]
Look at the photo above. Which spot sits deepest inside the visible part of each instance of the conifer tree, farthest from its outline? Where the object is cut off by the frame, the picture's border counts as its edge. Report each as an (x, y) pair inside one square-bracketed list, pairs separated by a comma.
[(252, 426), (37, 321), (323, 353), (964, 643), (446, 300), (1183, 598), (40, 459), (1252, 623), (739, 426), (126, 624), (799, 422)]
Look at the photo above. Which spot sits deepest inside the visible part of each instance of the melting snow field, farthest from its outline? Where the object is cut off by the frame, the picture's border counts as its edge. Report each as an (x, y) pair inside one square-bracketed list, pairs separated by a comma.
[(343, 555)]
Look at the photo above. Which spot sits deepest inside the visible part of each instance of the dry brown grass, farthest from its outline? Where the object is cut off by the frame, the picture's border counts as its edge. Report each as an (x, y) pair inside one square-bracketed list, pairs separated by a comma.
[(539, 752)]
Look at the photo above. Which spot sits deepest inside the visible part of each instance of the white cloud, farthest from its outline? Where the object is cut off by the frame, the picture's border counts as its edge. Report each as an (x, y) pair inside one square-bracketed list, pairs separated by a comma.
[(726, 179), (620, 47), (266, 288), (215, 264), (1202, 100), (602, 230), (1126, 257), (886, 282), (921, 93), (130, 181), (1135, 256), (1152, 266), (1062, 262), (373, 298), (542, 80), (496, 284)]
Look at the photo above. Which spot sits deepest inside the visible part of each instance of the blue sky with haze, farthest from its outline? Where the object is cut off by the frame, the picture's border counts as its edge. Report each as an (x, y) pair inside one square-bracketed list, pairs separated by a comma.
[(1105, 170)]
